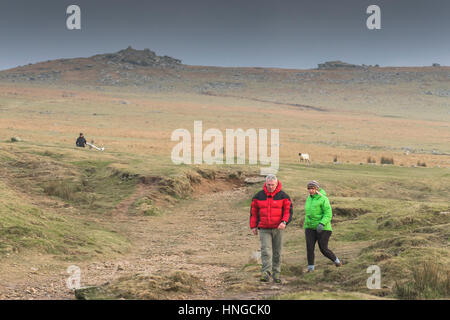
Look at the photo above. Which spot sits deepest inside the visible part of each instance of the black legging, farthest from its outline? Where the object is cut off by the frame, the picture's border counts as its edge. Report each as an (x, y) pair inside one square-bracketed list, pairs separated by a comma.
[(322, 238)]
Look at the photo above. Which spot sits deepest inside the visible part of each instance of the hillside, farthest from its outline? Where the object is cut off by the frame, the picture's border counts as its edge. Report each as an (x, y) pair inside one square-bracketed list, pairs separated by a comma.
[(128, 217), (138, 236), (333, 86)]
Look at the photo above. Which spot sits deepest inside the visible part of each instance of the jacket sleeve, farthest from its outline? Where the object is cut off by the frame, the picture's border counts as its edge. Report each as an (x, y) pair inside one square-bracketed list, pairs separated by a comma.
[(327, 212), (288, 210), (254, 211)]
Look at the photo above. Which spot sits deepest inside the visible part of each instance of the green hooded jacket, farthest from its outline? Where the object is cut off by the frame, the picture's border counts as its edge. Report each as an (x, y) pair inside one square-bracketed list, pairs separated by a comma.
[(318, 210)]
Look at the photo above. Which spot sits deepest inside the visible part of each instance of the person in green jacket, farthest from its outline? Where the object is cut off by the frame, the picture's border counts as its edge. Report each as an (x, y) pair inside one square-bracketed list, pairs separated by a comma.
[(317, 224)]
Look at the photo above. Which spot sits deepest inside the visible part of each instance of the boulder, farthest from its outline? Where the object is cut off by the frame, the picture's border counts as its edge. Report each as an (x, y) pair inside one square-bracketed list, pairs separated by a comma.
[(331, 65), (145, 58)]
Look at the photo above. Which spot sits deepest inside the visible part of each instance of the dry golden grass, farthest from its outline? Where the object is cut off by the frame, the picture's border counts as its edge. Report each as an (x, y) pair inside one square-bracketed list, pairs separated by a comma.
[(135, 127), (141, 124)]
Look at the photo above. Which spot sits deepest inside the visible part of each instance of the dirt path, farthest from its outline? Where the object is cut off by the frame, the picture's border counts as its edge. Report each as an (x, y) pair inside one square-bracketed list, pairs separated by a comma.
[(123, 207), (207, 237)]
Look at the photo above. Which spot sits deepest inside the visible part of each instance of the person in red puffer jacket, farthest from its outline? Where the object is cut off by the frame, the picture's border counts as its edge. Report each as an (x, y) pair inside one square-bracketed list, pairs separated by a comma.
[(271, 211)]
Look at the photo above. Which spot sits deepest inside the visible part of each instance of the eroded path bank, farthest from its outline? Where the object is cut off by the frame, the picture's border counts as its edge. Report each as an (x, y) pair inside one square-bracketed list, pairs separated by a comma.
[(206, 237)]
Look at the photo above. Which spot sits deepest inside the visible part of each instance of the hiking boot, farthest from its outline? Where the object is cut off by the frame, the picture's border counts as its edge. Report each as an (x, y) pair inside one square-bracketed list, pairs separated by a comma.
[(277, 280), (265, 278)]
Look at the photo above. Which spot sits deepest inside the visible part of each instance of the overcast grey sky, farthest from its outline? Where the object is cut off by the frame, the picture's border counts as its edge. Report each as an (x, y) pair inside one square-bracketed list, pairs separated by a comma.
[(277, 33)]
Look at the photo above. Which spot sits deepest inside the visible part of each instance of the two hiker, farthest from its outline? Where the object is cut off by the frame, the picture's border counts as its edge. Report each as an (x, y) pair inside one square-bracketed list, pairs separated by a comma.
[(270, 213)]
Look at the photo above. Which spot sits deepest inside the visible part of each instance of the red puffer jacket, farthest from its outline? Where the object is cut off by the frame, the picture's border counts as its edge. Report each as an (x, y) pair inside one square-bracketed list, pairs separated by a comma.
[(269, 209)]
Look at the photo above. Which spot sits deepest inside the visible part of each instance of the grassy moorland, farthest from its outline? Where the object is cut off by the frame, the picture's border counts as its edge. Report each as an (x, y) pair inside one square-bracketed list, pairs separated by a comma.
[(150, 229)]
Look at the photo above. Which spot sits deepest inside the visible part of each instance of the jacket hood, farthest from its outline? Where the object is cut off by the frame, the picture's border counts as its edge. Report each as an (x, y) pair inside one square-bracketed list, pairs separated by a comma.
[(322, 192), (278, 188)]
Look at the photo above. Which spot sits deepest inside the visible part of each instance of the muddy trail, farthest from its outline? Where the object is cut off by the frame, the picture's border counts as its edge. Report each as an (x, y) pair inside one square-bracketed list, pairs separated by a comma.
[(207, 237)]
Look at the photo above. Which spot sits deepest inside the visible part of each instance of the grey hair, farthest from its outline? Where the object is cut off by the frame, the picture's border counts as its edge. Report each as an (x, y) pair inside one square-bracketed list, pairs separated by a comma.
[(271, 177)]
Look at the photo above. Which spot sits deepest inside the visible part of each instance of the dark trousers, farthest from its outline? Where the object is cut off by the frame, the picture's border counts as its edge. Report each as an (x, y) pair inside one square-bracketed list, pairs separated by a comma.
[(322, 238)]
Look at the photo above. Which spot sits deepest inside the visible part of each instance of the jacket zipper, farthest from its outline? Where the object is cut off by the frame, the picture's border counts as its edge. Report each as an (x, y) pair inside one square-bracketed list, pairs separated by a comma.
[(270, 209), (309, 210)]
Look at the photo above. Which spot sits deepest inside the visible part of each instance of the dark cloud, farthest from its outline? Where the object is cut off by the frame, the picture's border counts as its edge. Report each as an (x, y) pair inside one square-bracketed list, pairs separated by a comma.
[(282, 33)]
